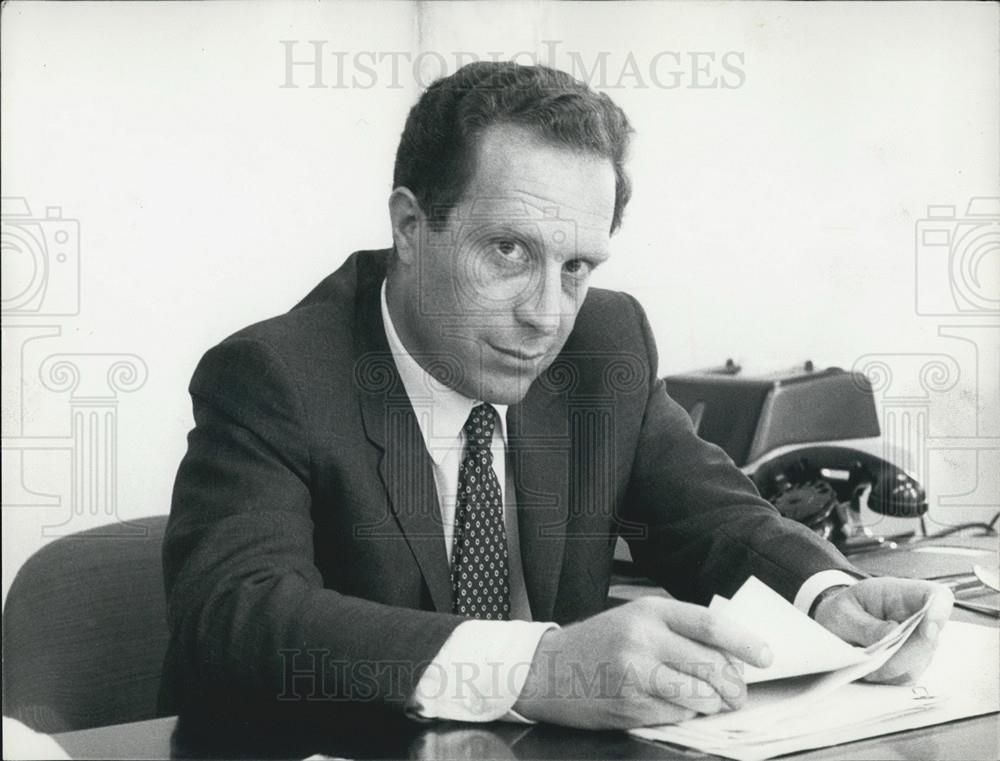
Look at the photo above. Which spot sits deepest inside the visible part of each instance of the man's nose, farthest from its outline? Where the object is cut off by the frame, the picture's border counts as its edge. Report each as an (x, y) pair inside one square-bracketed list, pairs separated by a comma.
[(542, 308)]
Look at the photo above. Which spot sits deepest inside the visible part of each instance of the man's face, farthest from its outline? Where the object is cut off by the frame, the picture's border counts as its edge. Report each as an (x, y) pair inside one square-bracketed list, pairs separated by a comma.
[(494, 295)]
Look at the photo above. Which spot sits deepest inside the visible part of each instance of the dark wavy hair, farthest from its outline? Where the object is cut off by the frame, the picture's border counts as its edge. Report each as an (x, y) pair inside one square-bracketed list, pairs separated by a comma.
[(437, 151)]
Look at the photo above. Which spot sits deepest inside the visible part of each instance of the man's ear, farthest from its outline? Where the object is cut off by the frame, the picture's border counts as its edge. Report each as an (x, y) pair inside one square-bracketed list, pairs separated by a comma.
[(407, 218)]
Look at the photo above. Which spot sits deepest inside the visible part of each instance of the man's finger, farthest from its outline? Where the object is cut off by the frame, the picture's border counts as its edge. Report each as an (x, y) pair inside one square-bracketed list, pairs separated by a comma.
[(908, 663), (720, 632), (684, 690), (898, 599), (658, 711), (939, 611), (720, 670), (859, 627)]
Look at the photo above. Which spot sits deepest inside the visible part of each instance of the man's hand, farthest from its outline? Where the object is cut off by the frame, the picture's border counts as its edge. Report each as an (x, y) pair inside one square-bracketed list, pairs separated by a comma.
[(652, 661), (865, 612)]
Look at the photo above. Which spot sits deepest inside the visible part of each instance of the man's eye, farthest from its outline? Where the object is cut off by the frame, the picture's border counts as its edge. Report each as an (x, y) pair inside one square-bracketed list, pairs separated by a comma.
[(510, 250), (578, 267)]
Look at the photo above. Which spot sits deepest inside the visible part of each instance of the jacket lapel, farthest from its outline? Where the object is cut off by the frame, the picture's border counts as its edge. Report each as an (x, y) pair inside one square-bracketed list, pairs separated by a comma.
[(391, 425), (540, 446)]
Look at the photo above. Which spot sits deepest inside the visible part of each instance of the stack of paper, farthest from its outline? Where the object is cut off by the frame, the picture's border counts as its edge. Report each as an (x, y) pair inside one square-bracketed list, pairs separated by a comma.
[(806, 698)]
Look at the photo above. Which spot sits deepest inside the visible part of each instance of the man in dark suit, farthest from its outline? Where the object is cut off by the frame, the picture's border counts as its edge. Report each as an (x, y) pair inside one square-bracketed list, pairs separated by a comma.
[(407, 490)]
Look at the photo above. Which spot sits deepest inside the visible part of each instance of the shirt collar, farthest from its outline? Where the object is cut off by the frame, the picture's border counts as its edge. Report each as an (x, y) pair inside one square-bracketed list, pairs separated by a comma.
[(441, 411)]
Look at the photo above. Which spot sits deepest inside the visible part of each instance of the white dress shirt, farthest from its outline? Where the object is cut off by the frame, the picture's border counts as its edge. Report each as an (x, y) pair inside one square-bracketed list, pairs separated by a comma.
[(479, 672)]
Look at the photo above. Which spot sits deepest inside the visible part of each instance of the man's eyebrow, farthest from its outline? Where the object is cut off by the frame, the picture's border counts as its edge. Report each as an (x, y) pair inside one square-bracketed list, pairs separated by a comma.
[(594, 257)]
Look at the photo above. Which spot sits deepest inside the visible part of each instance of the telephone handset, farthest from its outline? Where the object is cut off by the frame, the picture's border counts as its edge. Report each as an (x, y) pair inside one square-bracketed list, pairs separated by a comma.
[(824, 487)]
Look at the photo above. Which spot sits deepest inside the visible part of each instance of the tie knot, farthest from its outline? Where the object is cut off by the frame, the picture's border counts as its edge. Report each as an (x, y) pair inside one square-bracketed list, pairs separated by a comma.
[(480, 426)]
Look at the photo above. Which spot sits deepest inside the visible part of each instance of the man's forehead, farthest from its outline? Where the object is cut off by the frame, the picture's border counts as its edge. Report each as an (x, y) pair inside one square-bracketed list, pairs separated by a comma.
[(521, 176), (519, 205)]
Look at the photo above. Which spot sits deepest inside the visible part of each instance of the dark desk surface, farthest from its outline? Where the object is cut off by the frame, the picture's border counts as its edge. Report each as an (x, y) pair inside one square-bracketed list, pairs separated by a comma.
[(977, 738)]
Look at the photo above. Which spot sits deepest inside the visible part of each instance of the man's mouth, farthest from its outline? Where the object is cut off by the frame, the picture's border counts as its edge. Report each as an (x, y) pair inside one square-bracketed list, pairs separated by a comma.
[(521, 354)]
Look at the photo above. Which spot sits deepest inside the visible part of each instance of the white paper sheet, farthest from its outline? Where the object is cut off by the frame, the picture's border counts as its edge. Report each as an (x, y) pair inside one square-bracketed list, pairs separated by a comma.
[(817, 710)]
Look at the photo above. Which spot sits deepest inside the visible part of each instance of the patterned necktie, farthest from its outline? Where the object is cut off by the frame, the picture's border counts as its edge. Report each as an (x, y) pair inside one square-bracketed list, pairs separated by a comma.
[(480, 577)]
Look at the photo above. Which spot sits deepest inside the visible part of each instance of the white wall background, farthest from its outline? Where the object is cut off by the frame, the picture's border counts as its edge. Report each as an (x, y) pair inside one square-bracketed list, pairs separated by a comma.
[(773, 219)]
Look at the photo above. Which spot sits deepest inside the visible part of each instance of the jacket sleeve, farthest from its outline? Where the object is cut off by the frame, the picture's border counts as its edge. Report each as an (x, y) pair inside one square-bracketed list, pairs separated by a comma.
[(706, 527), (247, 608)]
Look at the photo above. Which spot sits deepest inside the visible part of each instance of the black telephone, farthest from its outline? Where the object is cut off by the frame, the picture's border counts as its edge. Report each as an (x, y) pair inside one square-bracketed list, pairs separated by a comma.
[(775, 427), (824, 487)]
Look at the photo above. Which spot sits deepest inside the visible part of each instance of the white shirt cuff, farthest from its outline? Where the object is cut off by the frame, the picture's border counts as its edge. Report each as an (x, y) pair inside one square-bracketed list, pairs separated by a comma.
[(479, 672), (818, 583)]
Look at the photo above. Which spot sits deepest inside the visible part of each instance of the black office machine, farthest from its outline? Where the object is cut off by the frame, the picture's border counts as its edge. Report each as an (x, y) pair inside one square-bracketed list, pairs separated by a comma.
[(778, 428)]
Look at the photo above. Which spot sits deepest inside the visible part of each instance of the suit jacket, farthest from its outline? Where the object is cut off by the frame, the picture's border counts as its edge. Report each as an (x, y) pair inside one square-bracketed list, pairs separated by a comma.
[(304, 558)]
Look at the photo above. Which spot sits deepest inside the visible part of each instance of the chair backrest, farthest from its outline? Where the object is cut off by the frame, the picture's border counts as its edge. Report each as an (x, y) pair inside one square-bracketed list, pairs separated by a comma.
[(85, 630)]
